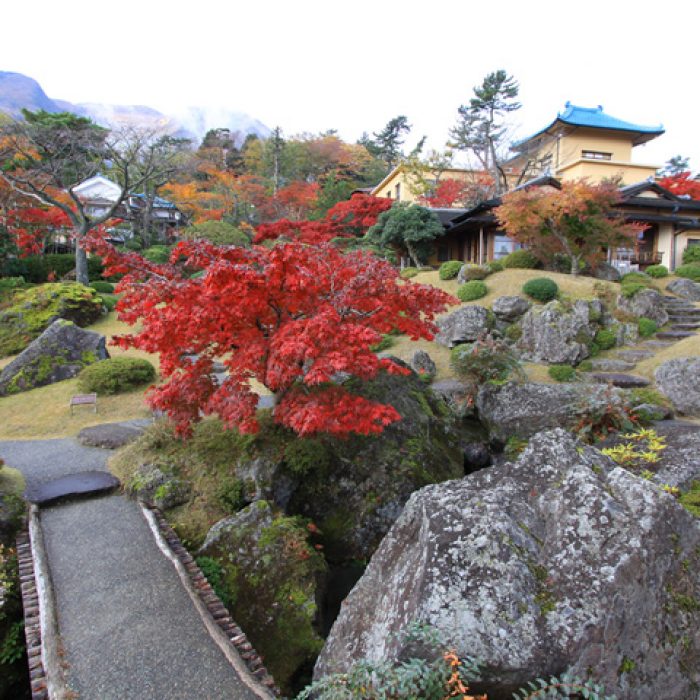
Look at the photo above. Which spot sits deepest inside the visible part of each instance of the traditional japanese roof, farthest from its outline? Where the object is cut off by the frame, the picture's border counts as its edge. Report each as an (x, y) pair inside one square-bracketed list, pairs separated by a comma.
[(447, 214), (574, 117)]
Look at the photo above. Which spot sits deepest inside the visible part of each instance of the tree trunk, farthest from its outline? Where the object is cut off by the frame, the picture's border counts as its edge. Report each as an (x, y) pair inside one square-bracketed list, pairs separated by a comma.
[(575, 265), (81, 265), (412, 254)]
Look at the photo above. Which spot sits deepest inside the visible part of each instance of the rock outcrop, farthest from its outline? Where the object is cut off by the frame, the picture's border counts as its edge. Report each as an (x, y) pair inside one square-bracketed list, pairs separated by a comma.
[(521, 410), (562, 560), (464, 325), (423, 365), (559, 334), (510, 308), (271, 575), (647, 303), (679, 379), (687, 289), (59, 353)]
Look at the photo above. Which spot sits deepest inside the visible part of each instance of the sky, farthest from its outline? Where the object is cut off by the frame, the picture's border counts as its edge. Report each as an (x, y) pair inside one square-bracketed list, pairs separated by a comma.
[(313, 65)]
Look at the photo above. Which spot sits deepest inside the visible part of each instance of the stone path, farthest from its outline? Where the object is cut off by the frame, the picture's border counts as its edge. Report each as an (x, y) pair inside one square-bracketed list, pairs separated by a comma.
[(684, 321), (128, 625)]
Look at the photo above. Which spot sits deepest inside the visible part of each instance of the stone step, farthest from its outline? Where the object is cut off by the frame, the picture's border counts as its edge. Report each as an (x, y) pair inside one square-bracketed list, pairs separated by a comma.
[(657, 344), (674, 335), (78, 485), (623, 381), (685, 326), (611, 365), (634, 355), (683, 319)]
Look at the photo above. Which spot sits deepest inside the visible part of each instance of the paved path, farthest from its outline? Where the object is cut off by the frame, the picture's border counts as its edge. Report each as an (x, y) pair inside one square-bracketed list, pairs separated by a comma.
[(129, 628)]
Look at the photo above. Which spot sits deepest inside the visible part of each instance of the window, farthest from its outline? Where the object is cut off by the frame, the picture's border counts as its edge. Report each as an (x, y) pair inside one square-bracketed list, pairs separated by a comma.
[(693, 241), (398, 191), (596, 155), (502, 246)]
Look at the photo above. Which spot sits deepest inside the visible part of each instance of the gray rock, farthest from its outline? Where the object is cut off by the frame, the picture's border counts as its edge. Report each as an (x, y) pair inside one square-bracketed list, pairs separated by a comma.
[(59, 353), (679, 379), (687, 289), (627, 333), (476, 456), (456, 395), (560, 561), (556, 334), (652, 412), (521, 410), (109, 436), (610, 365), (647, 303), (150, 484), (464, 325), (470, 272), (603, 271), (510, 308), (75, 485), (422, 364)]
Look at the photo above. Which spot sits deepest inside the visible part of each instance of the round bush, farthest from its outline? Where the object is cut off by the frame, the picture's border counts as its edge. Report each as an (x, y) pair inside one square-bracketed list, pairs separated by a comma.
[(133, 244), (631, 288), (11, 282), (472, 290), (116, 375), (409, 272), (562, 373), (450, 269), (158, 254), (520, 259), (647, 327), (475, 272), (657, 271), (691, 271), (109, 300), (541, 288), (637, 277), (606, 339), (691, 254), (102, 286), (495, 266)]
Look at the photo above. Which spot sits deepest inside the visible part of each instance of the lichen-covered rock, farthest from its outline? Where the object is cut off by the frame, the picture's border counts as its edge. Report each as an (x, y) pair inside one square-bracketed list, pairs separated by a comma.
[(422, 364), (687, 289), (271, 576), (604, 271), (559, 334), (521, 410), (560, 561), (32, 311), (647, 303), (626, 333), (679, 379), (456, 395), (151, 484), (464, 325), (59, 353), (110, 436), (510, 308)]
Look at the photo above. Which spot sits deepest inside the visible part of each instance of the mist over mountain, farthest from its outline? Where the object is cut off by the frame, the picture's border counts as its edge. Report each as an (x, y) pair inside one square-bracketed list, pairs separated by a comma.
[(19, 92)]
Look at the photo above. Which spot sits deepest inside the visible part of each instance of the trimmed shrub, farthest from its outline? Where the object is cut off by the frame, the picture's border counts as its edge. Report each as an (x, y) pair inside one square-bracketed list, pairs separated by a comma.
[(691, 254), (606, 339), (562, 373), (520, 259), (629, 289), (541, 288), (646, 327), (637, 277), (657, 271), (133, 244), (472, 290), (691, 271), (109, 300), (450, 269), (158, 254), (116, 375), (409, 272), (495, 266), (102, 286), (475, 272)]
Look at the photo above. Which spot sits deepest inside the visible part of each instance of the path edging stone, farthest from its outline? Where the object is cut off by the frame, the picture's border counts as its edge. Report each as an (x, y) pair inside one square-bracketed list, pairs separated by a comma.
[(226, 633)]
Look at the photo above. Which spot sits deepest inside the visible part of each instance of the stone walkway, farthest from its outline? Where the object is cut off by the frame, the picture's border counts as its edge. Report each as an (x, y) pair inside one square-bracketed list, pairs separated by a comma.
[(684, 321), (128, 625)]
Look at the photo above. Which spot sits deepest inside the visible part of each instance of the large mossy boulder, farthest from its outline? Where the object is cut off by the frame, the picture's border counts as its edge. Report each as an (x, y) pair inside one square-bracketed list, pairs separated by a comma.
[(679, 379), (271, 576), (59, 353), (559, 333), (465, 325), (31, 311), (687, 289), (647, 303), (562, 560)]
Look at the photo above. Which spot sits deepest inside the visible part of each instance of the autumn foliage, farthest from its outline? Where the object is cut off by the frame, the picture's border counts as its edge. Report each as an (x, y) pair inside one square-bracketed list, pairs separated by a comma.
[(293, 318), (681, 184), (576, 221)]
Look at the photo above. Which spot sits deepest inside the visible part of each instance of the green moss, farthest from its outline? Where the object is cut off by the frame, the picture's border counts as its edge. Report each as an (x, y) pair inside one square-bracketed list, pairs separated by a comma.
[(627, 666), (514, 332), (691, 499), (606, 339)]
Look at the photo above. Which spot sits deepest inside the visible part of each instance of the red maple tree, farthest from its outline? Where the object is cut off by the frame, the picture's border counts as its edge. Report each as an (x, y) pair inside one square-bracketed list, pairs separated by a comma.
[(293, 318), (681, 184), (31, 226)]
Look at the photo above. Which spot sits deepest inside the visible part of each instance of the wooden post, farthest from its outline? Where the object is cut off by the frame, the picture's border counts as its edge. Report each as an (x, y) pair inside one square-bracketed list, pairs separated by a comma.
[(481, 245)]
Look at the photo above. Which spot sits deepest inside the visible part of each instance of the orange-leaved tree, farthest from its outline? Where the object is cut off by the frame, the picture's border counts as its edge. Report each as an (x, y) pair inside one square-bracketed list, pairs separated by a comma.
[(577, 221)]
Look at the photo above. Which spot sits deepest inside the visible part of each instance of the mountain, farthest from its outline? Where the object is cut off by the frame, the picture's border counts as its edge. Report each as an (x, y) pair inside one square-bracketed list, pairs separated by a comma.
[(19, 91)]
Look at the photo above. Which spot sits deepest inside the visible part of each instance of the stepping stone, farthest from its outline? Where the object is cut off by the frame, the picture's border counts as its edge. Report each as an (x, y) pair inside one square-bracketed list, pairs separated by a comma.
[(611, 365), (683, 319), (76, 485), (623, 381), (684, 326), (635, 355), (109, 436), (657, 344), (674, 335)]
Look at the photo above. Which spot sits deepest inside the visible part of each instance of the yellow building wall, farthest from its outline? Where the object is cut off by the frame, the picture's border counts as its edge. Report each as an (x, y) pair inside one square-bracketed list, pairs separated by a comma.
[(407, 182), (598, 170)]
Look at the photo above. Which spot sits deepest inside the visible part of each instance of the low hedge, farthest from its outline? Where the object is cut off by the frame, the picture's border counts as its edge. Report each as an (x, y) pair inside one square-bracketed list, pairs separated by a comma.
[(116, 375), (646, 327), (37, 268), (472, 290), (690, 271), (691, 254), (541, 288), (629, 289), (450, 269), (520, 259), (475, 272), (102, 286), (408, 272), (606, 339), (495, 266), (657, 271)]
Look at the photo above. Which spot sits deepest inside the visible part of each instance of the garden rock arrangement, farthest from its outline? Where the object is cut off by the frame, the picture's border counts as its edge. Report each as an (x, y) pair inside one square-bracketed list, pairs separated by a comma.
[(423, 365), (679, 379), (687, 289), (59, 353), (464, 325), (510, 308), (647, 303), (562, 560)]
